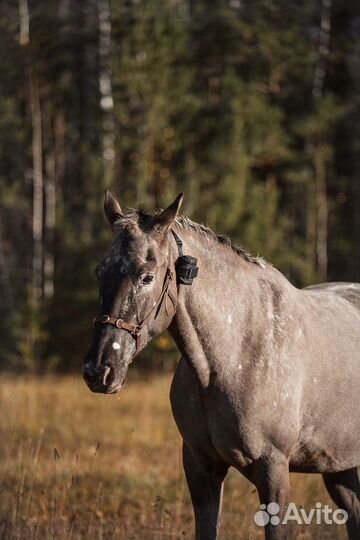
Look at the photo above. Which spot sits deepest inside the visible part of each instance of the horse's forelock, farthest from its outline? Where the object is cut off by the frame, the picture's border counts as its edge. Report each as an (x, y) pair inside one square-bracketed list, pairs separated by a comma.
[(135, 221)]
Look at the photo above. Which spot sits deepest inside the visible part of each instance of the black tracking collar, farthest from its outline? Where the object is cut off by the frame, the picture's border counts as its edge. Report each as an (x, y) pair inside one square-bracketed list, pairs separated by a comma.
[(185, 266)]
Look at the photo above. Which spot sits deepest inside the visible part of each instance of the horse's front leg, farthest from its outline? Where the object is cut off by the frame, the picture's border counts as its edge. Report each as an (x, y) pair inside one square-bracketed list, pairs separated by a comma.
[(205, 486), (272, 482)]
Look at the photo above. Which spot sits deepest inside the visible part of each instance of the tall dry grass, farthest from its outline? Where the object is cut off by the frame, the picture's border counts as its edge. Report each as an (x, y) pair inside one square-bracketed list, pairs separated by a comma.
[(75, 465)]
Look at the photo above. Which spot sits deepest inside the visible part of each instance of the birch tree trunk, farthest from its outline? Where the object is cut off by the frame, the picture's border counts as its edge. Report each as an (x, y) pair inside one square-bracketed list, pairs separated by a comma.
[(319, 151), (36, 122), (50, 222), (321, 210), (311, 231), (38, 184), (24, 22), (105, 87)]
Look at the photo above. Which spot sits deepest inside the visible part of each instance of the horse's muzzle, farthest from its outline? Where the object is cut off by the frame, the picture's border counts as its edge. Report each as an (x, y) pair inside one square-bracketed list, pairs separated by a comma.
[(101, 378)]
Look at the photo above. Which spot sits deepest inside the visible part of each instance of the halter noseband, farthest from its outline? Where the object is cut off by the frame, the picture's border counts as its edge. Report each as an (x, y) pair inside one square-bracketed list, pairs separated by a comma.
[(186, 271)]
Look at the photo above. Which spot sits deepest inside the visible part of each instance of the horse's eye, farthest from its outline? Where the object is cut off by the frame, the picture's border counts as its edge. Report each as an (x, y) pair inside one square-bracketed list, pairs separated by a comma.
[(147, 278)]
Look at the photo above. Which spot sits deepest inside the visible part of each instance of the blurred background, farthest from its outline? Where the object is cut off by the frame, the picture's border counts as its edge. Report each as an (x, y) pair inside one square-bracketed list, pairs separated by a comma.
[(252, 108), (249, 107)]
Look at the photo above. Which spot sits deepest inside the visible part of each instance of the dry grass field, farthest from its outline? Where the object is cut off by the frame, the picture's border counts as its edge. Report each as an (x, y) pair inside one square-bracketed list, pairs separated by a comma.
[(75, 465)]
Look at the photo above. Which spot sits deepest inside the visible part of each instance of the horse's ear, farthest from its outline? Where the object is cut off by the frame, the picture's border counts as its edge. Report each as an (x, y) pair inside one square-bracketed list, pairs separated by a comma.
[(166, 218), (112, 208)]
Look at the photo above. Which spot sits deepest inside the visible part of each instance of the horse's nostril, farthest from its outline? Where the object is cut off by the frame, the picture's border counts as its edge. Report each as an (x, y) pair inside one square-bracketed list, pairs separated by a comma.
[(99, 377), (106, 375)]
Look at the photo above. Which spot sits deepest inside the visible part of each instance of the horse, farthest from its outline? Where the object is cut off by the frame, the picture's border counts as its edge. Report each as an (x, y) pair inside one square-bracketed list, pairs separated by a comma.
[(269, 376)]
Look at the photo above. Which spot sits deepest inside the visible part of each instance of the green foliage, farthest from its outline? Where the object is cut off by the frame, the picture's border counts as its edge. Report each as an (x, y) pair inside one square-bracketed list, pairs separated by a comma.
[(216, 101)]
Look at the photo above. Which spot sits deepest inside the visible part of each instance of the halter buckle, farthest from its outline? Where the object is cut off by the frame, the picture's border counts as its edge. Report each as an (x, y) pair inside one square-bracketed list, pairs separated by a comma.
[(136, 331)]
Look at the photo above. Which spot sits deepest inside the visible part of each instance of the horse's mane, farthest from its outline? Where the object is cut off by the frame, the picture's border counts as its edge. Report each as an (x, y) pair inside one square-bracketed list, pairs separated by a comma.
[(143, 218), (186, 223)]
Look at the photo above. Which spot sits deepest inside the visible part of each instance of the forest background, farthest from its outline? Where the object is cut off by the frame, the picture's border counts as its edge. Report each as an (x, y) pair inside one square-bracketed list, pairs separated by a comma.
[(252, 108)]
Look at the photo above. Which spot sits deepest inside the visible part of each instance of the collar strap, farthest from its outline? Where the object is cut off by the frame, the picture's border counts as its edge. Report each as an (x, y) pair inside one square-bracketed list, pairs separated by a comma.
[(178, 242), (185, 265)]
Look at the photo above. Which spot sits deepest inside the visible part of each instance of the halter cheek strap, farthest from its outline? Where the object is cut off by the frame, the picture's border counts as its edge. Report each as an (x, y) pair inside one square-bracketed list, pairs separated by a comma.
[(186, 271), (135, 329)]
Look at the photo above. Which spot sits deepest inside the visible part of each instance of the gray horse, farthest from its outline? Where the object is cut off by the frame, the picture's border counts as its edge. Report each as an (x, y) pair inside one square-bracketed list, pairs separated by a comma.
[(269, 378)]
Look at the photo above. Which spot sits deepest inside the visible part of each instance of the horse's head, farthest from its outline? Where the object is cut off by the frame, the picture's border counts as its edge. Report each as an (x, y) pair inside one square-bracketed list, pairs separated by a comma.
[(137, 292)]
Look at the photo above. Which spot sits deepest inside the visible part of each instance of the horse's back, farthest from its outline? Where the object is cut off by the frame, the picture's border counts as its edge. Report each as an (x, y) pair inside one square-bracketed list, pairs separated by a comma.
[(348, 291)]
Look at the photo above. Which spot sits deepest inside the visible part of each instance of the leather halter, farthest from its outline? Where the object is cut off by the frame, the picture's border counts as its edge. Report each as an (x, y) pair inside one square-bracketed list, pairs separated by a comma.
[(135, 329)]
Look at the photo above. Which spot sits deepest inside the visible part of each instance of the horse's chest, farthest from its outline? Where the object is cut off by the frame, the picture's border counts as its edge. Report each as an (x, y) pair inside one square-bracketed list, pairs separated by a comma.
[(236, 445), (233, 431), (211, 426)]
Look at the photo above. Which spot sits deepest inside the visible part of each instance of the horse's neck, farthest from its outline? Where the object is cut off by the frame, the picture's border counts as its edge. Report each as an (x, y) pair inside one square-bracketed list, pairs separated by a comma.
[(227, 306)]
